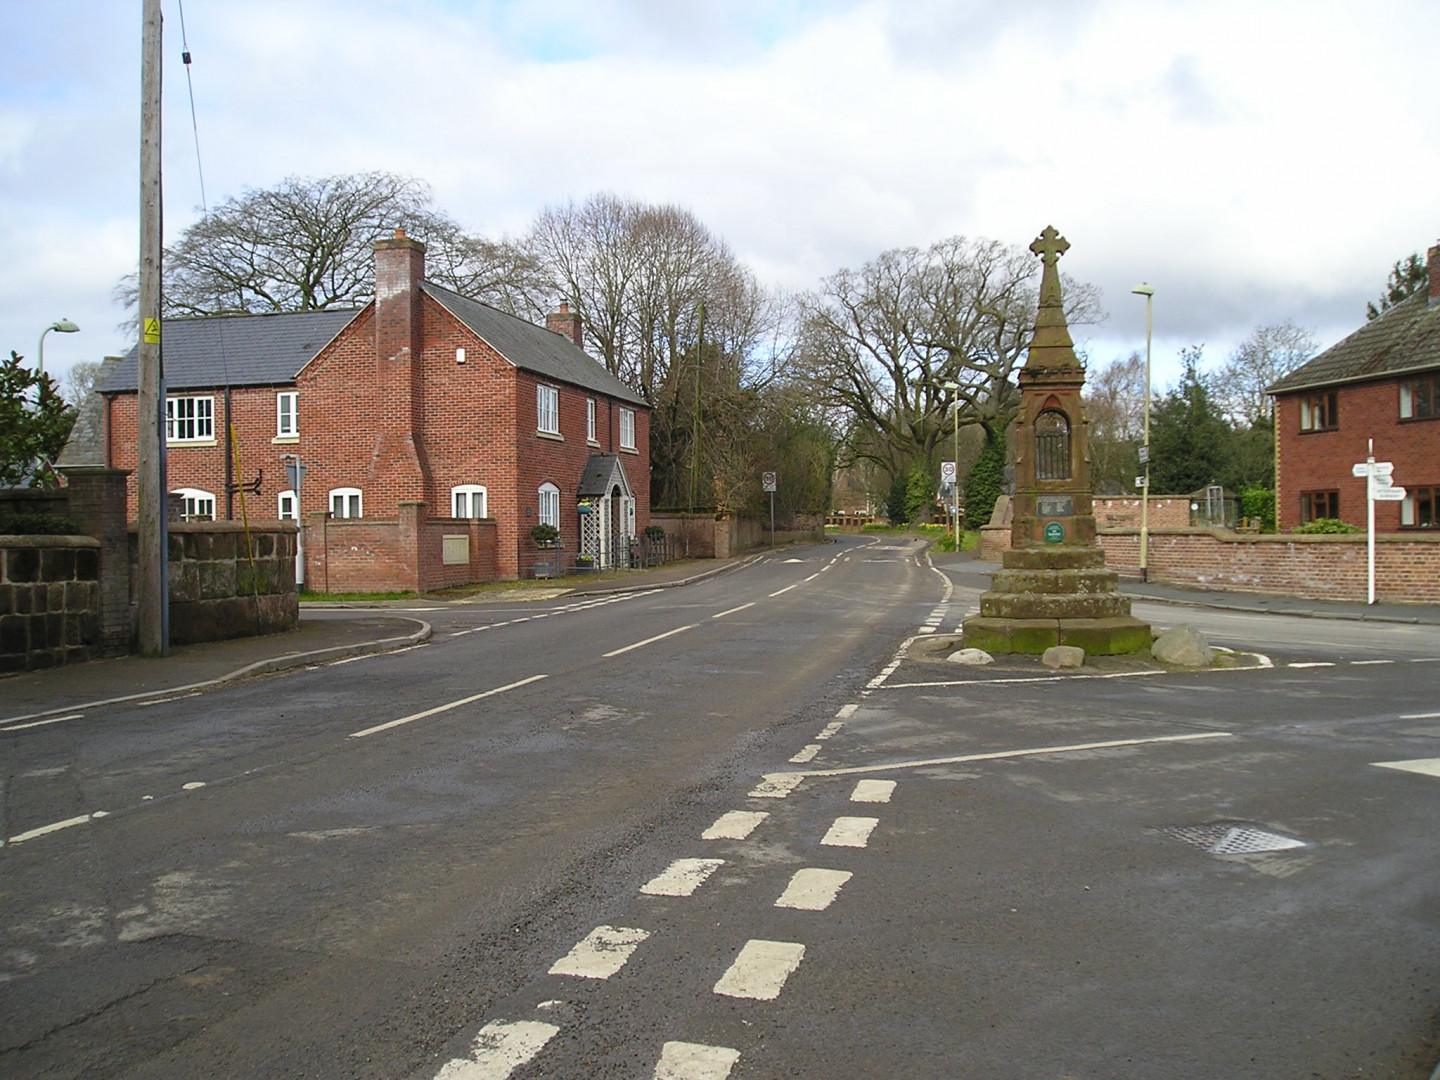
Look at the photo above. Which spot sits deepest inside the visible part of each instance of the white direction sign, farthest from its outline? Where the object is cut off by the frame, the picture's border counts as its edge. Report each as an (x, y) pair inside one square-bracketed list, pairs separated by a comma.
[(1381, 482), (1387, 494), (1372, 468)]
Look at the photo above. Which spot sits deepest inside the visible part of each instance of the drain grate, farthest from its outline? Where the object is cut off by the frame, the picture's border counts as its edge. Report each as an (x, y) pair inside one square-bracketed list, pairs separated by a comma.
[(1232, 838)]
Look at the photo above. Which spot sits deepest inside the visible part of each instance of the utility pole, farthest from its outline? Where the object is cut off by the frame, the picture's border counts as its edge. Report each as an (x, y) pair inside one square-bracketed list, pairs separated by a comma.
[(153, 616)]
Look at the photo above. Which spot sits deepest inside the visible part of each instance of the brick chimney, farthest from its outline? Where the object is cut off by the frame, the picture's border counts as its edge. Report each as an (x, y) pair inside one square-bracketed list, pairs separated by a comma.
[(566, 323), (1433, 258), (397, 472)]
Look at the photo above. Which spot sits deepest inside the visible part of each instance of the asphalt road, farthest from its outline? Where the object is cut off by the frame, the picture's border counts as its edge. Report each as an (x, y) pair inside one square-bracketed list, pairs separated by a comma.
[(544, 845)]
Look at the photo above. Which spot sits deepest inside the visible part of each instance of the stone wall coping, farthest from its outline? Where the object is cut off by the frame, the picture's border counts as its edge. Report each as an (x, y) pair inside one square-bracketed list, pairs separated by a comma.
[(1229, 536), (271, 525), (45, 541)]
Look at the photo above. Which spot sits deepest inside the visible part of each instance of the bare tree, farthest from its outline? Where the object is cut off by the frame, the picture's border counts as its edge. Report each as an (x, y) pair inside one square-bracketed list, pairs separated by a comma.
[(1114, 406), (307, 245), (880, 343), (1268, 354)]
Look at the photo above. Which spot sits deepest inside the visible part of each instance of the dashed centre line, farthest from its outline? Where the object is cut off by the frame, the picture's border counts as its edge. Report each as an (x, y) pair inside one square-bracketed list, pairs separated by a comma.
[(682, 877), (444, 708), (649, 640), (721, 615), (812, 889), (602, 952), (760, 971), (850, 832), (829, 730)]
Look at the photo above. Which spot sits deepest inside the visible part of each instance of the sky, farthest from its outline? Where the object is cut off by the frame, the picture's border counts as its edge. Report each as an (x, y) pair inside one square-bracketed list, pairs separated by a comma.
[(1255, 161)]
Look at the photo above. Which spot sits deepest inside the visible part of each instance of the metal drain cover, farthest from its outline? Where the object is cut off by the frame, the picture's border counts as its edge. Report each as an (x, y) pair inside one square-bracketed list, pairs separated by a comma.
[(1232, 838)]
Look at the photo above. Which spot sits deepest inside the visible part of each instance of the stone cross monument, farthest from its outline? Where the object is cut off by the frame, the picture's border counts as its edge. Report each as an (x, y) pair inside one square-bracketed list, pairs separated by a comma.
[(1054, 588)]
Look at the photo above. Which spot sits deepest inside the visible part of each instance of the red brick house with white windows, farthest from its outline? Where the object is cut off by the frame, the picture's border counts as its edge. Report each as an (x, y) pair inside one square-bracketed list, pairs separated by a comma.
[(434, 432), (1381, 383)]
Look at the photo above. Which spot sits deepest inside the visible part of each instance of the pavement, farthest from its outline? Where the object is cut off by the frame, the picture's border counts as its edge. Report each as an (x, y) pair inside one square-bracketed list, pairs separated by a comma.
[(333, 631)]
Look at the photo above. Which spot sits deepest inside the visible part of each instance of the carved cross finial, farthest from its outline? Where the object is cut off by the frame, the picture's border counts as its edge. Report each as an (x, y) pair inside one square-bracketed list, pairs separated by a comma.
[(1049, 245)]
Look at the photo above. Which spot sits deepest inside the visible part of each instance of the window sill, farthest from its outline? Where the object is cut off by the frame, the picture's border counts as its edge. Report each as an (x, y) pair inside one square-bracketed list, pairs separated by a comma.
[(593, 442), (629, 450), (190, 442), (285, 440), (553, 436), (1319, 430)]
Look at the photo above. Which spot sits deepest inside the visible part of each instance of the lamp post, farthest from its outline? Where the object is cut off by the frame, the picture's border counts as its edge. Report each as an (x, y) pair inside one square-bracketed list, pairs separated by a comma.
[(954, 389), (63, 326), (1149, 293)]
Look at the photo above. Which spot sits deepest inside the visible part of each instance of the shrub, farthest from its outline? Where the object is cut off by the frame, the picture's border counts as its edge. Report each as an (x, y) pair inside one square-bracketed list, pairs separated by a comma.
[(654, 533), (1258, 502), (545, 535), (1327, 525)]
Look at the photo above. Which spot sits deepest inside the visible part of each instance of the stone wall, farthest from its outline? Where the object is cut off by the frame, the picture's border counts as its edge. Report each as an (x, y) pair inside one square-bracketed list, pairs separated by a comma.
[(1320, 567), (49, 601), (225, 585)]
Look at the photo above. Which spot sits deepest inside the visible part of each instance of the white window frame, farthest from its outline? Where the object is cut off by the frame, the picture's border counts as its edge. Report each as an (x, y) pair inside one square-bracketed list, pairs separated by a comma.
[(590, 420), (343, 500), (547, 409), (287, 496), (190, 419), (549, 505), (287, 414), (465, 498), (627, 429), (196, 505)]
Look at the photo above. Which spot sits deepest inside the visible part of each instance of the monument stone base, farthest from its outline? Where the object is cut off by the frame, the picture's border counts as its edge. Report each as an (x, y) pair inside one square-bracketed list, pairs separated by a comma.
[(1055, 595)]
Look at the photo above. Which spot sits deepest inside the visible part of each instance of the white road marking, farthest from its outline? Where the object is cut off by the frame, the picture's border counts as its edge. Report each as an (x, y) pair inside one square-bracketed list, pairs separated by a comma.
[(786, 589), (829, 729), (1369, 663), (806, 754), (847, 711), (601, 954), (193, 785), (813, 890), (812, 577), (776, 785), (927, 629), (1310, 664), (694, 1061), (850, 832), (42, 723), (682, 877), (873, 791), (1423, 766), (54, 827), (735, 825), (445, 708), (1421, 716), (499, 1050), (997, 755), (650, 640), (721, 615), (760, 971)]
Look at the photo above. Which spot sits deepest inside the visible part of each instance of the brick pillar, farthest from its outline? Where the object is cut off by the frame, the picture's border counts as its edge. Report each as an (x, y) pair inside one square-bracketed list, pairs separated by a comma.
[(97, 503), (1433, 261), (397, 470), (408, 534), (316, 546)]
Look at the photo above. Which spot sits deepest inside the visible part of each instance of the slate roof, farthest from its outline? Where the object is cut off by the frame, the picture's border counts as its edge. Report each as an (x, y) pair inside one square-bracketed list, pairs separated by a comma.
[(602, 472), (532, 348), (236, 350), (1405, 338)]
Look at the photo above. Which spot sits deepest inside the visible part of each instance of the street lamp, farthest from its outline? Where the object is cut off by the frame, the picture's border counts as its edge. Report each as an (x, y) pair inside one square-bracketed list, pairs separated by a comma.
[(1149, 293), (63, 326), (954, 389)]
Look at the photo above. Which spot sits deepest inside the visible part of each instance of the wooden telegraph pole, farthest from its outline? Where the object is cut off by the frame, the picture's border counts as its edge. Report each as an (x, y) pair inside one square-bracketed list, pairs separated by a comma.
[(154, 637)]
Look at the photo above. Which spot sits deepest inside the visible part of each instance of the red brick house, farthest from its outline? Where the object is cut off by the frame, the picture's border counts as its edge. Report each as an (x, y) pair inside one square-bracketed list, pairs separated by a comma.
[(1381, 383), (434, 432)]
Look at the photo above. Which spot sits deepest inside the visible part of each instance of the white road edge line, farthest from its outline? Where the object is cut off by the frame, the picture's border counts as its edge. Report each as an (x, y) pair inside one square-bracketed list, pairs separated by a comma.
[(54, 827), (1421, 716), (444, 708), (650, 640), (42, 723)]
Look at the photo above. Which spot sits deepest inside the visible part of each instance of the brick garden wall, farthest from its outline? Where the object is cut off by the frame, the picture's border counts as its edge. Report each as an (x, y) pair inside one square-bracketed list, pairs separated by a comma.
[(49, 601), (404, 553)]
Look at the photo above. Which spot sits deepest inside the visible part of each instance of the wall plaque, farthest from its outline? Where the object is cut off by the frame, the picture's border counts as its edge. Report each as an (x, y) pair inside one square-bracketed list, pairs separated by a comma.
[(1053, 506)]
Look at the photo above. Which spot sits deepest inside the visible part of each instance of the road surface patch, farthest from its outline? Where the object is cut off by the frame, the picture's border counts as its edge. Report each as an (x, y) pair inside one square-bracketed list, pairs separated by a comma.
[(602, 952), (873, 791), (760, 971), (735, 825), (499, 1050), (850, 832), (812, 889), (682, 877), (693, 1061)]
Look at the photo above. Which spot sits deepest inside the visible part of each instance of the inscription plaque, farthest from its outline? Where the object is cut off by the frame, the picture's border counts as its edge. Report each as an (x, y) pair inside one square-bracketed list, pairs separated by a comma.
[(1053, 506)]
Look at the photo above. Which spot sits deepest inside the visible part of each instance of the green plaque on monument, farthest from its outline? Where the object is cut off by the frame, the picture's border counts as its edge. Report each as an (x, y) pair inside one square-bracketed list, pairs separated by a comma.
[(1054, 533)]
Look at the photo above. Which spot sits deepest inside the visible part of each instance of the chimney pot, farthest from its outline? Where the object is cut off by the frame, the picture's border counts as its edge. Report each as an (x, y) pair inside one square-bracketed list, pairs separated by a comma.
[(399, 234), (566, 323)]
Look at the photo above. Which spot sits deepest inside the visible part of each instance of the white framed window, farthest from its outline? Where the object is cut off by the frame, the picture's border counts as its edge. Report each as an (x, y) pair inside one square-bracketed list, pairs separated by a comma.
[(287, 414), (627, 429), (196, 505), (549, 505), (288, 506), (189, 419), (547, 410), (346, 502), (467, 501), (590, 419)]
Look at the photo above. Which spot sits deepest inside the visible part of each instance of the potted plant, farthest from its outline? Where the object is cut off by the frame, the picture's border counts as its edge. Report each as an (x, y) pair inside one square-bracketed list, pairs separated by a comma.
[(545, 535)]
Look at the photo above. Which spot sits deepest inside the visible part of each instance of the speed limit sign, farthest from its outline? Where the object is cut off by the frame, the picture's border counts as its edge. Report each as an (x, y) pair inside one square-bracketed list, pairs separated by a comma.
[(767, 481), (947, 472)]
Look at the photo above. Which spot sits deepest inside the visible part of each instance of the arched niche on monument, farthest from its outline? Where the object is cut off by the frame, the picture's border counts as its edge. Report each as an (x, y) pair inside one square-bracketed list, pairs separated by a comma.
[(1052, 445)]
